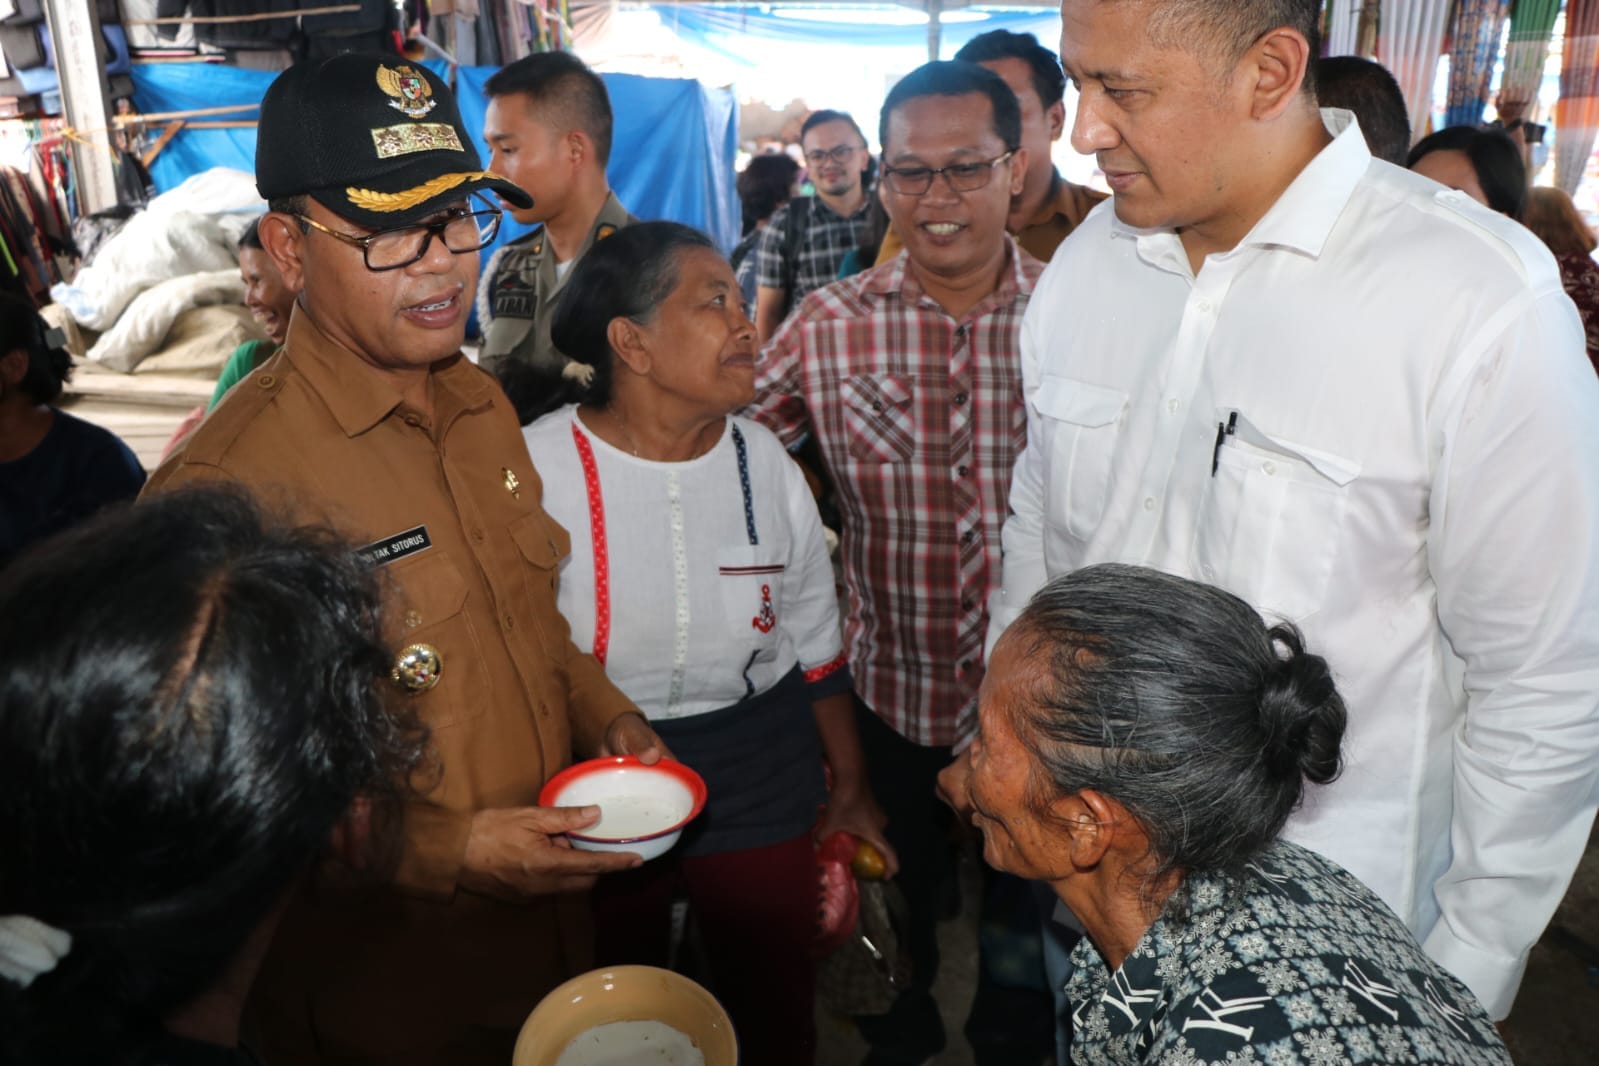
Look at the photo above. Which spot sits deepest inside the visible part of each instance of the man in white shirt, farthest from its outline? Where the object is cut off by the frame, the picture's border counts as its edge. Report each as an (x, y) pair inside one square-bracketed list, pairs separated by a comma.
[(1357, 400)]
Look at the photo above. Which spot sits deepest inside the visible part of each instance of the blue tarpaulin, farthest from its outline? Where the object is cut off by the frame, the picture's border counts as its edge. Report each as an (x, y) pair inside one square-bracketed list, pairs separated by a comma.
[(671, 156)]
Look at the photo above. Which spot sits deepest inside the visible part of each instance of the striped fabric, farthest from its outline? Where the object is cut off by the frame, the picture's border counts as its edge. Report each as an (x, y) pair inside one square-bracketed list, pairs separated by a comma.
[(1532, 23), (1410, 39), (1577, 110), (920, 419)]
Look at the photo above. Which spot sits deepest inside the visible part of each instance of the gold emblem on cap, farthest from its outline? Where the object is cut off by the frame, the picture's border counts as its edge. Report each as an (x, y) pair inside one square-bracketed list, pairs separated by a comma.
[(413, 96), (418, 668), (372, 200), (512, 485)]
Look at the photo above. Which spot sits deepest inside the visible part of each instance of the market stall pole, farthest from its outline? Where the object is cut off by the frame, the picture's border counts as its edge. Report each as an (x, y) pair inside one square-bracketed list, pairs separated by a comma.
[(74, 29)]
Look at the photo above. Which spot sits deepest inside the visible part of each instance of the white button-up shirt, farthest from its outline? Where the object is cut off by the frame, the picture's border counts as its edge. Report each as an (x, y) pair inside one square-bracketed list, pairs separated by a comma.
[(1373, 417)]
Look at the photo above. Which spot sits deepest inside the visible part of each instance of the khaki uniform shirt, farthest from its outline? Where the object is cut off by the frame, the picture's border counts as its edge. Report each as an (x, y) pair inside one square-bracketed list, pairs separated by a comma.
[(1063, 212), (520, 288), (448, 508)]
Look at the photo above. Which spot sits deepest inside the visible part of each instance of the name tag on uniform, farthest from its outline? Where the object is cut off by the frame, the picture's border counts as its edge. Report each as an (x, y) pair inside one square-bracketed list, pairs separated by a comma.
[(393, 549)]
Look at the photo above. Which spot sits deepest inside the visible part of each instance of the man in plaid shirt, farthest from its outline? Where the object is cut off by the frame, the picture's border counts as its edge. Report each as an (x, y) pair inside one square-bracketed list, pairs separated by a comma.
[(807, 238), (909, 375)]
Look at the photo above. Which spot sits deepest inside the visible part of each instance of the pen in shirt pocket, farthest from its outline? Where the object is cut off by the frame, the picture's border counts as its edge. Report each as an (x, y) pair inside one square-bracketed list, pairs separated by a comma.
[(1223, 431)]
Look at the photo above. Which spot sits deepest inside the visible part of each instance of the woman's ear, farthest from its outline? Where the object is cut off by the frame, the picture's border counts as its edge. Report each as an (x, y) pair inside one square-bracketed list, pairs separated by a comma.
[(1091, 822), (629, 345), (13, 365)]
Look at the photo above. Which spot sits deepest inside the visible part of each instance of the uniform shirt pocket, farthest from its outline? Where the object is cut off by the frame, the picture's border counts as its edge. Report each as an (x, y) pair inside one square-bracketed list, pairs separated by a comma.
[(1082, 423), (543, 543), (751, 580), (432, 610), (1271, 520), (880, 417)]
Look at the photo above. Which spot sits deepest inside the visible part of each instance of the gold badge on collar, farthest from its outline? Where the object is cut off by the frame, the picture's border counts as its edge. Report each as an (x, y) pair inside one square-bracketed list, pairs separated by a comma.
[(412, 94), (417, 668), (512, 485), (604, 232)]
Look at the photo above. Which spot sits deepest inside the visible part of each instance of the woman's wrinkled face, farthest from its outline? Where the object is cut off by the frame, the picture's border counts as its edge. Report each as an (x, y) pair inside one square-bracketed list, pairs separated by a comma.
[(1016, 839), (701, 341)]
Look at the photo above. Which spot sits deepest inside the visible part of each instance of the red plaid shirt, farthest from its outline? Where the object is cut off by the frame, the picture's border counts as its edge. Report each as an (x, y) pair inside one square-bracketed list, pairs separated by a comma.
[(920, 419)]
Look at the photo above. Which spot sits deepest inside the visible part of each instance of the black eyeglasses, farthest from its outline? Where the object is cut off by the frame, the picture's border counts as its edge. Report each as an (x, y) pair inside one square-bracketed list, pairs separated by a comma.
[(390, 249), (962, 177), (841, 154)]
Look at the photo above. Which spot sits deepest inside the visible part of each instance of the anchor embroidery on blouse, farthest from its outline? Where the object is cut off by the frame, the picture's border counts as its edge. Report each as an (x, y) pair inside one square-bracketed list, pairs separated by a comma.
[(768, 617)]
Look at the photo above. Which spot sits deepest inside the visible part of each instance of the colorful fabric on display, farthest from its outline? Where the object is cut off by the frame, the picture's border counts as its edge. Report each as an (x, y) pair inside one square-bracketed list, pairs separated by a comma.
[(1532, 23), (1577, 110), (1479, 26), (1409, 41)]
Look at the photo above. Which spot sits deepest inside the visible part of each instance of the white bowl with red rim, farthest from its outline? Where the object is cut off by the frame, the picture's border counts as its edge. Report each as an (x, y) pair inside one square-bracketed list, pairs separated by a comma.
[(643, 808)]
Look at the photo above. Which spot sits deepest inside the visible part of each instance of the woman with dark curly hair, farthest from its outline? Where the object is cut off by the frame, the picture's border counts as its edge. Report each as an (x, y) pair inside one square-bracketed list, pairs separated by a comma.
[(191, 713), (1142, 740)]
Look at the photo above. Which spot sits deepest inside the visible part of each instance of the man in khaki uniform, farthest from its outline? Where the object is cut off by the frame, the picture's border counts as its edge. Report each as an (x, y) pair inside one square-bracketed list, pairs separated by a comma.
[(369, 418), (548, 129)]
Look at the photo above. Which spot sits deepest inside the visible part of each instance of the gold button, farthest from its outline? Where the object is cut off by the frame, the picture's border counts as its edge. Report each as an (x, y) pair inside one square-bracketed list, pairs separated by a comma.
[(413, 619), (266, 381), (510, 623), (418, 668)]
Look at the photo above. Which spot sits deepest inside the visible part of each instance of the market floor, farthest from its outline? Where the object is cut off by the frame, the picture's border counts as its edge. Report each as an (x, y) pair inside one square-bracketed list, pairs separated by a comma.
[(1555, 1021)]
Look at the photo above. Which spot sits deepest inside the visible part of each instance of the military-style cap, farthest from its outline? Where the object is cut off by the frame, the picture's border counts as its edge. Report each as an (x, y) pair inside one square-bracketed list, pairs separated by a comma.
[(372, 138)]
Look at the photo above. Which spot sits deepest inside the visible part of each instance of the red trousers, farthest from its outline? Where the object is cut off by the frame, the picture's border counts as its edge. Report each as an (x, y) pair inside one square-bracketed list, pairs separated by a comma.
[(756, 913)]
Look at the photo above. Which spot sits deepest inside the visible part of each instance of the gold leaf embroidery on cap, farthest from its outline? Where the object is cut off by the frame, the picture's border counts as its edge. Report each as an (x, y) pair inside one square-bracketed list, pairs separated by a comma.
[(372, 200), (411, 91), (391, 141)]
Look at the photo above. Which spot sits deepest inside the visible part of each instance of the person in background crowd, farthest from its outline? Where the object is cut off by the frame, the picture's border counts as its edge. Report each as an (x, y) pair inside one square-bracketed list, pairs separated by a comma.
[(803, 243), (1370, 91), (765, 184), (1555, 219), (55, 469), (268, 299), (372, 418), (1241, 375), (1141, 742), (724, 630), (165, 781), (1486, 165), (908, 377), (548, 129)]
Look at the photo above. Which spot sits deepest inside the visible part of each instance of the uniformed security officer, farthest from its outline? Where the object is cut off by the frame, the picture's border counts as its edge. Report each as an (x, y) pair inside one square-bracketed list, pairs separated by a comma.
[(370, 418), (548, 128)]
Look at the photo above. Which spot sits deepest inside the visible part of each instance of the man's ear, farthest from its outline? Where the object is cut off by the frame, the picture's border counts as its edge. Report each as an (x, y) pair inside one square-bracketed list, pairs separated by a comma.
[(1018, 171), (627, 342), (578, 147), (1055, 117), (284, 244), (1276, 66), (13, 365)]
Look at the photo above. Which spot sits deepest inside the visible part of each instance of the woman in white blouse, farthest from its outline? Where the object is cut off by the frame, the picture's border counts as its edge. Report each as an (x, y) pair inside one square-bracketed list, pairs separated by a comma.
[(699, 577)]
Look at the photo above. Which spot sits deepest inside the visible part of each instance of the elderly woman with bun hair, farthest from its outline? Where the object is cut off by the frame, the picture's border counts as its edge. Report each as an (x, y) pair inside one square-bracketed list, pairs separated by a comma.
[(1142, 739)]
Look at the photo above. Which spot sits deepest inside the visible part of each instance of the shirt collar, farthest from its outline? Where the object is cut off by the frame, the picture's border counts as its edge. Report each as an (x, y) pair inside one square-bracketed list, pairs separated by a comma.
[(358, 396), (1303, 216), (896, 277)]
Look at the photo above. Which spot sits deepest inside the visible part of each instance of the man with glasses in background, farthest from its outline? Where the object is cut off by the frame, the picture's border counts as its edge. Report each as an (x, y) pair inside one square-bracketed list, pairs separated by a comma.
[(802, 246), (370, 419), (909, 376)]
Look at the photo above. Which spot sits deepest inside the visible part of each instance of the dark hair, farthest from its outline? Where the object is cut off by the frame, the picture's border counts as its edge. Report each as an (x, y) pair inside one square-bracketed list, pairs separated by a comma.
[(817, 118), (1231, 27), (251, 237), (296, 205), (1177, 700), (190, 698), (560, 81), (626, 275), (49, 365), (764, 185), (1494, 157), (1049, 80), (1555, 219), (1370, 91), (955, 77)]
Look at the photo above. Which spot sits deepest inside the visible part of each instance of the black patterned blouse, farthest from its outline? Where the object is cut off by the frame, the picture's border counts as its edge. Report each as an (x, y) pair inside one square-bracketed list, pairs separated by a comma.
[(1298, 965)]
